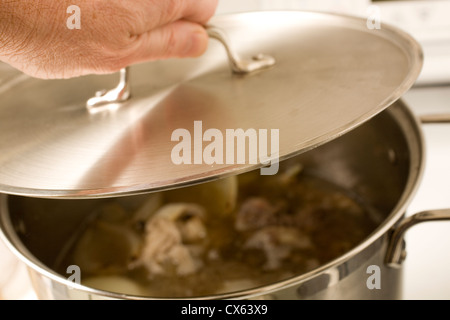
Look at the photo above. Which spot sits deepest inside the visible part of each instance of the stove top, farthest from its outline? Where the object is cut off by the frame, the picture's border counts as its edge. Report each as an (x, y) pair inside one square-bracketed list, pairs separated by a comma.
[(427, 264)]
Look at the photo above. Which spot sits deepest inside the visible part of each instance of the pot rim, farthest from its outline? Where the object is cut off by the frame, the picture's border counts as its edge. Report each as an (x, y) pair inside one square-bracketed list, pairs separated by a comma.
[(416, 171)]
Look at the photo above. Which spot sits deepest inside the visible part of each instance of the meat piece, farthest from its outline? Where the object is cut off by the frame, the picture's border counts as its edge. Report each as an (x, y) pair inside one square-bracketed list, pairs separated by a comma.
[(255, 213), (174, 240), (277, 243)]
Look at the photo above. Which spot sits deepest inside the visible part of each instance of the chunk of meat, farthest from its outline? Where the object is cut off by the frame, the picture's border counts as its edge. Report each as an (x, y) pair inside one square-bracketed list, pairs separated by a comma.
[(174, 241), (277, 244), (256, 213)]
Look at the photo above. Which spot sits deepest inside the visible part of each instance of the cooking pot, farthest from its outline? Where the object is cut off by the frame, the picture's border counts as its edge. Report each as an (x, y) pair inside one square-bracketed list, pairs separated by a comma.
[(382, 161), (369, 143)]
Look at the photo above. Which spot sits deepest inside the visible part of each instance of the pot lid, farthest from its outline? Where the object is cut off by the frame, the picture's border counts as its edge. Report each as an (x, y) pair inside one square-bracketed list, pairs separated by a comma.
[(311, 78)]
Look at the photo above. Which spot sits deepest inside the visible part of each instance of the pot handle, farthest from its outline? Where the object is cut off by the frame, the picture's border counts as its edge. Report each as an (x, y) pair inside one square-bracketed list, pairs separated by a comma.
[(238, 65), (435, 118), (396, 253)]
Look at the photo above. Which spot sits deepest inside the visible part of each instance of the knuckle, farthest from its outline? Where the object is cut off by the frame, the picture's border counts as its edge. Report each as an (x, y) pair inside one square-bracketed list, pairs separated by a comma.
[(170, 44), (170, 9)]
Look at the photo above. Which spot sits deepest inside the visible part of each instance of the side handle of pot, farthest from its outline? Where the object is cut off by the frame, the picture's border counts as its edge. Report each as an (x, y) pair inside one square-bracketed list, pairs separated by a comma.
[(435, 118), (396, 253)]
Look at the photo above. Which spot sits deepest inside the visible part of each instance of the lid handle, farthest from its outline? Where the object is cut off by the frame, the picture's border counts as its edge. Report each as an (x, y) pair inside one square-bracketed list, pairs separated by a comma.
[(122, 92), (240, 65)]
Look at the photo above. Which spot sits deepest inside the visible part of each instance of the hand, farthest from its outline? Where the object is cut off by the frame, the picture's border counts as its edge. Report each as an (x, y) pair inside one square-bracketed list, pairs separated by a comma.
[(113, 34)]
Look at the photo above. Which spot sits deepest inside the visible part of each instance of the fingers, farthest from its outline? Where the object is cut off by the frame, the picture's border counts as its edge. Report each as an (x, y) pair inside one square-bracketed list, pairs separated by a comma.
[(180, 39), (199, 11), (157, 13)]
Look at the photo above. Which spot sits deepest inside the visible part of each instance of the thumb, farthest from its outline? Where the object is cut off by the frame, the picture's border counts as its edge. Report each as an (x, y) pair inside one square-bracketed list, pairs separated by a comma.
[(180, 39)]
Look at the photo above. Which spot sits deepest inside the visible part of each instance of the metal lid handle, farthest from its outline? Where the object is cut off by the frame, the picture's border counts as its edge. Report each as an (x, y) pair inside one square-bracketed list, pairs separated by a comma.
[(121, 93), (238, 65)]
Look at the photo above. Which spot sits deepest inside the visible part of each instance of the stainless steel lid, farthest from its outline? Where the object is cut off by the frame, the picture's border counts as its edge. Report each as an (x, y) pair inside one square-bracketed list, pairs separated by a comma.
[(331, 73)]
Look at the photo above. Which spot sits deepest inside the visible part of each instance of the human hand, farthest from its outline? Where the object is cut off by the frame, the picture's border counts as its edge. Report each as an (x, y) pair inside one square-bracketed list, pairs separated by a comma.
[(113, 34)]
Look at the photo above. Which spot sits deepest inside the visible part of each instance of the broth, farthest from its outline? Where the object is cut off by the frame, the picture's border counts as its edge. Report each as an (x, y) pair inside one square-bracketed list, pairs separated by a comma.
[(219, 237)]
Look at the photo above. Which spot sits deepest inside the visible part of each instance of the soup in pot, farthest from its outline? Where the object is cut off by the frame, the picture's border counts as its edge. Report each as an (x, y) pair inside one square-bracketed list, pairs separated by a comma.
[(224, 236)]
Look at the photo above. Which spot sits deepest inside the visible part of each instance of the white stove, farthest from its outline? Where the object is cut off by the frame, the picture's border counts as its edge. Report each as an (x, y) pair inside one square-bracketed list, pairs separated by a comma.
[(427, 267)]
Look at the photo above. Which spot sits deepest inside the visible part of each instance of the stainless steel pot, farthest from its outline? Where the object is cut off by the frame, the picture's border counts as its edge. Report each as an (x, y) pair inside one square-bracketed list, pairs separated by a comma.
[(381, 161)]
